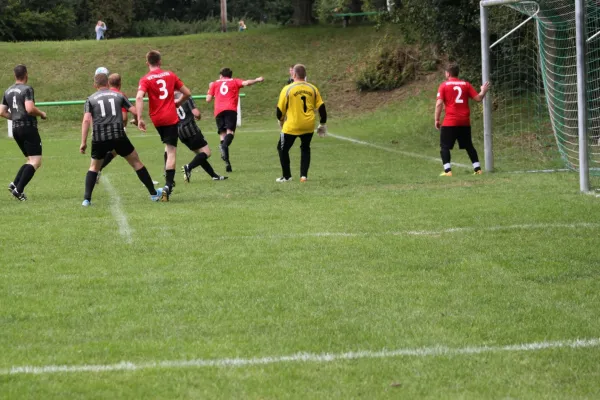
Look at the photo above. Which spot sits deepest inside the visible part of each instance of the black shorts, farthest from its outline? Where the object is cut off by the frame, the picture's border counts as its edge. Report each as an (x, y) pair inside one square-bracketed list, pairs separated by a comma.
[(168, 134), (29, 141), (226, 120), (192, 137), (450, 134), (122, 146)]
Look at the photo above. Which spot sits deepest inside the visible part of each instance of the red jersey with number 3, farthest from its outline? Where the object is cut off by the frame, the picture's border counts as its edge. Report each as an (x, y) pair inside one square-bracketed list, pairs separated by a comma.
[(456, 94), (226, 92), (160, 86)]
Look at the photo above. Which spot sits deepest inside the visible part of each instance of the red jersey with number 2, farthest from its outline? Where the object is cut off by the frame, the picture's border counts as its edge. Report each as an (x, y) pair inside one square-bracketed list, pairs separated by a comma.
[(160, 86), (456, 94), (226, 92)]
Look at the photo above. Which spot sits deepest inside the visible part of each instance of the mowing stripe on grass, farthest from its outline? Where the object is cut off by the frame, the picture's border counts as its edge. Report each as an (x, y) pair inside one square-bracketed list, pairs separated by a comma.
[(124, 229), (437, 351), (404, 153), (580, 225)]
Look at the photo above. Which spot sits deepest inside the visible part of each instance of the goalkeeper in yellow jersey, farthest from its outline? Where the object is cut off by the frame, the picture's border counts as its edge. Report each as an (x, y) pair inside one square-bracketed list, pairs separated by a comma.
[(298, 103)]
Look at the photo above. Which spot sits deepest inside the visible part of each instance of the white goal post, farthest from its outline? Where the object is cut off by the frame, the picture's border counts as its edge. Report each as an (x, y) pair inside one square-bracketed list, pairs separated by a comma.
[(581, 67)]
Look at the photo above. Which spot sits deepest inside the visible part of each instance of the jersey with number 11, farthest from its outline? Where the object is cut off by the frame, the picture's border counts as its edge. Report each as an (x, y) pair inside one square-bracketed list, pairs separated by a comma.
[(456, 94), (226, 92), (160, 86)]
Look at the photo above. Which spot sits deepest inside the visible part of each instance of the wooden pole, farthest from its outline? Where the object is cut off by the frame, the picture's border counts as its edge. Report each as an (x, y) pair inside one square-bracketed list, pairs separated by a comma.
[(223, 15)]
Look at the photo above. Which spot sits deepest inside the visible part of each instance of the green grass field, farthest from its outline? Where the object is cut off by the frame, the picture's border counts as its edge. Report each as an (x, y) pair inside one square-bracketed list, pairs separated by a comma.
[(463, 287)]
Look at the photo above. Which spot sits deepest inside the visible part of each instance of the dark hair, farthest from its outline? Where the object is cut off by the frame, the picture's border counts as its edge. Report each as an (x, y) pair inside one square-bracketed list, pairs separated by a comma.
[(101, 80), (114, 80), (226, 72), (20, 72), (300, 71), (153, 58), (453, 70)]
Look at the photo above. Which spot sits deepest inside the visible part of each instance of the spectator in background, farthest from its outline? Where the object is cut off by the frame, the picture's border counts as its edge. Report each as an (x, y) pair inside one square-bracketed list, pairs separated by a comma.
[(291, 71), (100, 29), (242, 26)]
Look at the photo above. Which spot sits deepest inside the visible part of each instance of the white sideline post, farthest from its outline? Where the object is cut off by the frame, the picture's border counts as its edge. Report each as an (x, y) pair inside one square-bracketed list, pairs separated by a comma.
[(487, 101), (10, 134), (582, 106), (239, 112)]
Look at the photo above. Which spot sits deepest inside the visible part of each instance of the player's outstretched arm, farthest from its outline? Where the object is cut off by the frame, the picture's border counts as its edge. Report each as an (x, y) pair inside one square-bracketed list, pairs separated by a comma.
[(33, 110), (439, 106), (481, 95), (85, 128), (251, 82), (4, 112), (186, 94)]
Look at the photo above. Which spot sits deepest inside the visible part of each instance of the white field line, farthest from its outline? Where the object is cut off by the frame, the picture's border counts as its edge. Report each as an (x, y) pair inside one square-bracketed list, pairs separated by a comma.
[(117, 211), (580, 225), (404, 153), (539, 171), (437, 351)]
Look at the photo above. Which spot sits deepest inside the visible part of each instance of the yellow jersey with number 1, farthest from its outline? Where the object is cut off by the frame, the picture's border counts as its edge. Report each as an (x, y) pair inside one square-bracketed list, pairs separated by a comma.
[(298, 102)]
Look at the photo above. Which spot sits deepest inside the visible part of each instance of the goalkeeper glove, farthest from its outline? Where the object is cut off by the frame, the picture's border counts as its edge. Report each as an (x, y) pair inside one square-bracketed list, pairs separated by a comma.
[(322, 130), (280, 124)]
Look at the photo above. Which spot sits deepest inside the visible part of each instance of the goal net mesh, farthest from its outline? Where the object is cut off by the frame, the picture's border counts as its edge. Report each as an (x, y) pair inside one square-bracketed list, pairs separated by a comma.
[(534, 73)]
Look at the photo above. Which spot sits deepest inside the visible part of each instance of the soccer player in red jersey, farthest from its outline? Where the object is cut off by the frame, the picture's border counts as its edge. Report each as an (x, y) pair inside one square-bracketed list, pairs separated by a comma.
[(160, 85), (454, 95), (226, 93)]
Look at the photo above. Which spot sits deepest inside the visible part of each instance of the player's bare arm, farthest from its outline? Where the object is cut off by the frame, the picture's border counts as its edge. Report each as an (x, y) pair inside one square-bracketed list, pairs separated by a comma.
[(139, 110), (33, 110), (85, 128), (186, 94), (439, 106), (4, 112), (197, 115), (484, 89), (251, 82)]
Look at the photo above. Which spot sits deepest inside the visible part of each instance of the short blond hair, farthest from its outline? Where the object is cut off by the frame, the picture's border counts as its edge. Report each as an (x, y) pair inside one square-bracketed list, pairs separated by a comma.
[(114, 81), (300, 71)]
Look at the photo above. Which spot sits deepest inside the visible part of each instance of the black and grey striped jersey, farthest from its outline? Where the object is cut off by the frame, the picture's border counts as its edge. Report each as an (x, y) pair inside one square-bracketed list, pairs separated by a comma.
[(185, 113), (14, 98), (187, 126), (105, 107)]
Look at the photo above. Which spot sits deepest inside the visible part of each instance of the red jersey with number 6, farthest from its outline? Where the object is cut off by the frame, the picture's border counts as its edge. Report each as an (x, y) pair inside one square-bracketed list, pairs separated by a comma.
[(456, 94), (160, 86), (226, 92)]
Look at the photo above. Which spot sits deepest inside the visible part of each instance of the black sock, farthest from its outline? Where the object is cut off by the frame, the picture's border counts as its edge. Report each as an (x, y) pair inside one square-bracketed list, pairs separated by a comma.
[(19, 174), (170, 177), (107, 159), (165, 167), (474, 157), (445, 153), (26, 175), (201, 159), (90, 182), (228, 139), (144, 176)]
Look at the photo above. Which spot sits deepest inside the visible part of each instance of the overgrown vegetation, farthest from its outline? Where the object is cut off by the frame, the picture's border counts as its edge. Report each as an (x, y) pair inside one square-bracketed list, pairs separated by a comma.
[(393, 63)]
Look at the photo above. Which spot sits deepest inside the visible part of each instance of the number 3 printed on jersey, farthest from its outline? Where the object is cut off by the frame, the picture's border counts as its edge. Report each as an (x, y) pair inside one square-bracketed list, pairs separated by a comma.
[(163, 89), (458, 100)]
